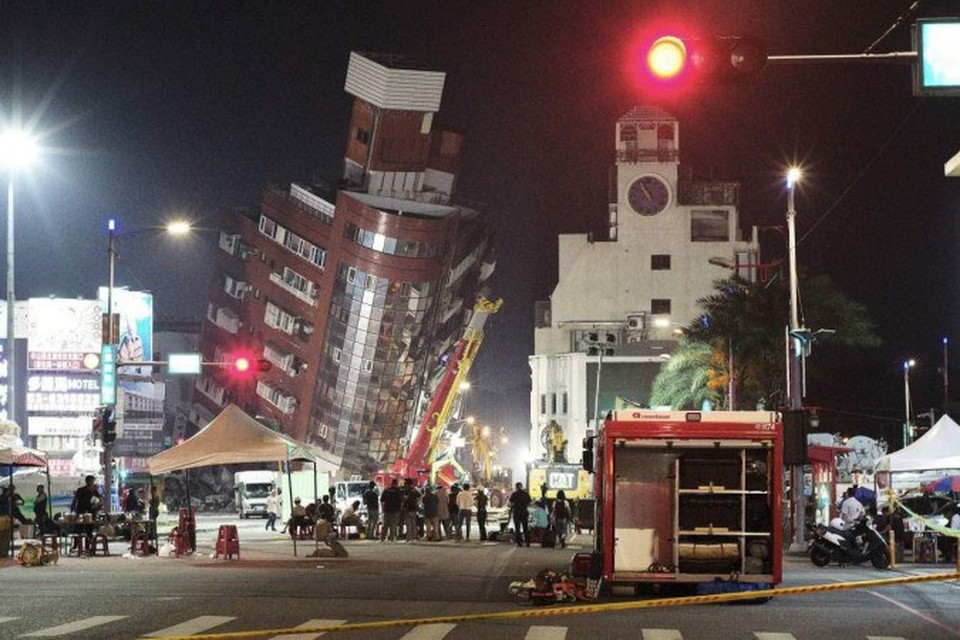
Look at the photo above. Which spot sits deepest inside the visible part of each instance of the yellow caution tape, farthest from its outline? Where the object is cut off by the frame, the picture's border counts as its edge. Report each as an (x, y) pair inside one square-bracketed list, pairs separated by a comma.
[(542, 612)]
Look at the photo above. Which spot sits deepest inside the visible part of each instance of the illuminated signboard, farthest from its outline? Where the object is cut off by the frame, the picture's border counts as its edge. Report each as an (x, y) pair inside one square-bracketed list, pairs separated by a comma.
[(61, 325), (937, 42), (62, 393), (63, 361)]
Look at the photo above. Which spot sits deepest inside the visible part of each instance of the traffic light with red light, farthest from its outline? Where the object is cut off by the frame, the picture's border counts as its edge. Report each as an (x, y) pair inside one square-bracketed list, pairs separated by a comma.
[(246, 366), (673, 61)]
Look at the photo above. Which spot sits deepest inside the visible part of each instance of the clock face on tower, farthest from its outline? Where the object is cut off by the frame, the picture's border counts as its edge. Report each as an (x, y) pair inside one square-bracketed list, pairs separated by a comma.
[(648, 195)]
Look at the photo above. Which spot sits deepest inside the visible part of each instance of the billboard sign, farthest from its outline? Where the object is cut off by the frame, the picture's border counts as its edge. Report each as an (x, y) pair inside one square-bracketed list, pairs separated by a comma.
[(62, 325), (937, 42), (135, 342), (62, 393)]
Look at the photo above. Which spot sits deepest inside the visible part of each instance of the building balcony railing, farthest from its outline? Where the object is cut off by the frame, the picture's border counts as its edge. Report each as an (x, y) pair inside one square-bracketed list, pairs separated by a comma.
[(225, 318), (309, 296), (647, 155), (316, 207), (287, 404), (214, 392)]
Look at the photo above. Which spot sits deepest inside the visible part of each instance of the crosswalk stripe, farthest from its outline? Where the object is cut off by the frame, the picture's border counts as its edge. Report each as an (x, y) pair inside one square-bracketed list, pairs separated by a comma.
[(429, 632), (190, 627), (769, 635), (543, 632), (7, 619), (661, 634), (309, 624), (73, 627)]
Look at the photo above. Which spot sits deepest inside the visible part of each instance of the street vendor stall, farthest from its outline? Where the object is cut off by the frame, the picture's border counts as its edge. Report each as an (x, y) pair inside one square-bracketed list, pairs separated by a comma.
[(12, 457)]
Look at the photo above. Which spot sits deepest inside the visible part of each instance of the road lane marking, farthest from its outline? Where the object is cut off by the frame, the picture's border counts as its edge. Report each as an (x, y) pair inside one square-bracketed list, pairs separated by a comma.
[(73, 627), (7, 619), (919, 614), (662, 634), (309, 624), (429, 632), (544, 632), (607, 607), (770, 635), (190, 627)]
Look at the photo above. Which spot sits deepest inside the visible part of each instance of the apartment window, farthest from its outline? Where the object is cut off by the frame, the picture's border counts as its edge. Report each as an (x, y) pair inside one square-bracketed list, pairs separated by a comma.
[(660, 306), (660, 262), (293, 242), (351, 275), (318, 256), (553, 404), (710, 225), (564, 408), (543, 404), (268, 227), (363, 136), (294, 279)]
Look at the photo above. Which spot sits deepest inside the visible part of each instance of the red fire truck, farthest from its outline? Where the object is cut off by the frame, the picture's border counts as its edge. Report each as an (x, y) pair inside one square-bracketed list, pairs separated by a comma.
[(687, 497)]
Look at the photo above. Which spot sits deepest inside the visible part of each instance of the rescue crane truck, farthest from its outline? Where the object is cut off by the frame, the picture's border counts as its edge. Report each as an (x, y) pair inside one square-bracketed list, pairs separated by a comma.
[(420, 458), (686, 497)]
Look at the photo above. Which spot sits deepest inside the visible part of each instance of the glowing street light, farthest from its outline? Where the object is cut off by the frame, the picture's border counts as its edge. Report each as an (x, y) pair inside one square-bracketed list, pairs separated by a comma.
[(18, 149)]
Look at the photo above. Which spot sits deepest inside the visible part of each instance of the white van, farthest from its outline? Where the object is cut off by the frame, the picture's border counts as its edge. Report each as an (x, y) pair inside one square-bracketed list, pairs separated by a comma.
[(251, 490)]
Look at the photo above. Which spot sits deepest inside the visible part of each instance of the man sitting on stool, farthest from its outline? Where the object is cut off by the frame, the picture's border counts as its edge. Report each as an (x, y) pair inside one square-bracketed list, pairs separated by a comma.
[(298, 518)]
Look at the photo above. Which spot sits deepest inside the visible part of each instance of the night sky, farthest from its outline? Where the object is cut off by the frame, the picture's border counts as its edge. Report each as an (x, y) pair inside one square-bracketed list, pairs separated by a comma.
[(154, 109)]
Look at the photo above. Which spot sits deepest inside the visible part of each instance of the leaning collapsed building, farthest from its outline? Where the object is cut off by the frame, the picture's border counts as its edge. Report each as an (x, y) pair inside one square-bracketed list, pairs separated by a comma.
[(354, 292)]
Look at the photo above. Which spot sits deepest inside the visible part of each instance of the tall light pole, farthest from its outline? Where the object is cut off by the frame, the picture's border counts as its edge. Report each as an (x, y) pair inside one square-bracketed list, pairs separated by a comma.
[(17, 149), (907, 430), (946, 376), (794, 355), (177, 227)]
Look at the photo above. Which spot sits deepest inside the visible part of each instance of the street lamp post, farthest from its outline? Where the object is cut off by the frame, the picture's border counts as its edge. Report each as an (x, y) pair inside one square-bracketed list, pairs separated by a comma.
[(794, 355), (907, 429), (177, 227), (18, 150)]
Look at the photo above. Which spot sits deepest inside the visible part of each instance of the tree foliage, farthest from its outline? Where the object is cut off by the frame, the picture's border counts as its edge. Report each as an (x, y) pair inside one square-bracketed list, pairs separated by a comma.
[(749, 320)]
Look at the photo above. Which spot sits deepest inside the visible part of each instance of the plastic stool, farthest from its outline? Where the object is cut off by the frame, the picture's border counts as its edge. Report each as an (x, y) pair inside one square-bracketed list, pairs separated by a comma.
[(100, 544), (50, 543), (78, 544), (140, 544), (228, 542)]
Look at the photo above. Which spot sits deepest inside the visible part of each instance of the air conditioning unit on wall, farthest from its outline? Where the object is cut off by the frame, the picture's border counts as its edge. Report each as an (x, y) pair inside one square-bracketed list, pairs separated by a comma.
[(636, 321)]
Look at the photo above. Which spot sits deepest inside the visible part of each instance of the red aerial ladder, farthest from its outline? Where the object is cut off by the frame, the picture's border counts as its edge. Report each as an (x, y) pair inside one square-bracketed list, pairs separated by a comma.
[(420, 458)]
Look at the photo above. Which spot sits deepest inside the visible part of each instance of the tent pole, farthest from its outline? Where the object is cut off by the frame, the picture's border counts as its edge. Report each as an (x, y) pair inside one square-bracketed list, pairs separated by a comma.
[(11, 501), (293, 534)]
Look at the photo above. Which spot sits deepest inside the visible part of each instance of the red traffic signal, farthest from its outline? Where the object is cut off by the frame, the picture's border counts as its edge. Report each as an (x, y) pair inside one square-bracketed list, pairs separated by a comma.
[(672, 60), (243, 366)]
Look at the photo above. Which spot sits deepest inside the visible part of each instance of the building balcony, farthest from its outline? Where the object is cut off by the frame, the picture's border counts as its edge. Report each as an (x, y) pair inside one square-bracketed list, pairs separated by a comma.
[(211, 390), (308, 296), (225, 318), (285, 403)]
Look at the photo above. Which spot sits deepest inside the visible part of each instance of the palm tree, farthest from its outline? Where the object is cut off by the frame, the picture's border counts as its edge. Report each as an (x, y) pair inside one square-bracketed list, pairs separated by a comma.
[(749, 319)]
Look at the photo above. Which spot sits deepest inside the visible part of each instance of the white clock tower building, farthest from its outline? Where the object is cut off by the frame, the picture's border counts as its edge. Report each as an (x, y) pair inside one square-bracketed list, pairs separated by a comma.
[(620, 303)]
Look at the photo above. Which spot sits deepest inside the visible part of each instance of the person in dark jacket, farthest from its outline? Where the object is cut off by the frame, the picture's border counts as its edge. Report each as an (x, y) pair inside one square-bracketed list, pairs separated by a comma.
[(454, 511), (431, 515), (520, 510), (391, 502)]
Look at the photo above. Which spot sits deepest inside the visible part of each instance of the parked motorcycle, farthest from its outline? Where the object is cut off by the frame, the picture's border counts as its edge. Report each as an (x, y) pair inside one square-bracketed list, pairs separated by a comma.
[(852, 545)]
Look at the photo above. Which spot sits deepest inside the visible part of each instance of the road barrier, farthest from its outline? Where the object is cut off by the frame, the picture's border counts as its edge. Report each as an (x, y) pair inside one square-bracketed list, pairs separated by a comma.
[(542, 612)]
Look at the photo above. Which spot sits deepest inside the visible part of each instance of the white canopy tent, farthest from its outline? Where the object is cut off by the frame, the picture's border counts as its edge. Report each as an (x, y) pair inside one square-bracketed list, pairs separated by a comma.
[(234, 437), (938, 448)]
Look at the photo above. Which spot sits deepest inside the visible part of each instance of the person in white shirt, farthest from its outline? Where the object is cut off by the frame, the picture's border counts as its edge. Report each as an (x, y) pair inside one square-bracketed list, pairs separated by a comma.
[(466, 501), (850, 509)]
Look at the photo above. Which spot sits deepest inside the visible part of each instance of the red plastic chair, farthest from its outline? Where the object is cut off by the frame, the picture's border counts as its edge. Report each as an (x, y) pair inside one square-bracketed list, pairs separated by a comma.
[(228, 542)]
